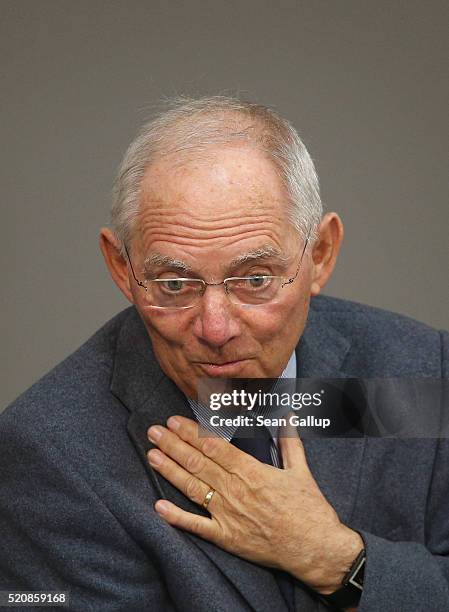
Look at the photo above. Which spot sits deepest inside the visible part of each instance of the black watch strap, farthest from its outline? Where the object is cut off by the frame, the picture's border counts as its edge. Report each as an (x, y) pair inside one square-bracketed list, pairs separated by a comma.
[(351, 591)]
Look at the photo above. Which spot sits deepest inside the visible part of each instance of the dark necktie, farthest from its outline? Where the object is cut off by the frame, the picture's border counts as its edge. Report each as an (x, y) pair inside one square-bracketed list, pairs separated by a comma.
[(256, 441)]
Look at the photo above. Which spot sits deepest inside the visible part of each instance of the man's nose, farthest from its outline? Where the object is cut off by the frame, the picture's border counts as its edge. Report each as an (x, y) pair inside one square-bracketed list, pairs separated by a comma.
[(217, 321)]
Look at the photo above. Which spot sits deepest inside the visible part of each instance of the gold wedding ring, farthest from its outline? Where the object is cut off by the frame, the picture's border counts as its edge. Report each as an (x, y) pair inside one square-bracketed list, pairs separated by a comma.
[(208, 497)]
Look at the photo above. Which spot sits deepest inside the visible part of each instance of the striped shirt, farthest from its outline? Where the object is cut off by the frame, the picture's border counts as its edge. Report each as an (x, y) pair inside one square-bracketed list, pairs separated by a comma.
[(202, 414)]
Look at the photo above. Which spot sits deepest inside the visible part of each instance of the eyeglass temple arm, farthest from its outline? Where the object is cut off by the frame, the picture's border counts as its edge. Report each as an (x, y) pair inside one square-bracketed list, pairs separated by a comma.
[(132, 269), (290, 280)]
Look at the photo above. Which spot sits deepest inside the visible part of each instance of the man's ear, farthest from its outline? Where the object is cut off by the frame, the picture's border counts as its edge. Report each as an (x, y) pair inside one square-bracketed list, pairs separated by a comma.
[(325, 251), (117, 265)]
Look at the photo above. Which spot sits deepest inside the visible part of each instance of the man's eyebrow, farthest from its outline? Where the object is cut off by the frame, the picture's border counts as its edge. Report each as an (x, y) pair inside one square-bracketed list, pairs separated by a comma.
[(159, 260), (263, 252)]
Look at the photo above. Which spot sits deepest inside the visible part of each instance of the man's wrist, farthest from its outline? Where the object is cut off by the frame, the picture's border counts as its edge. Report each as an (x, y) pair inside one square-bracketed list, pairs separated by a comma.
[(339, 551)]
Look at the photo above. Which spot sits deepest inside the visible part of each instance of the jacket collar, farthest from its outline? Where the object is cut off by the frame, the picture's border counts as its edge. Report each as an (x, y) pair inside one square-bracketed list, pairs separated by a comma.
[(151, 397), (321, 350)]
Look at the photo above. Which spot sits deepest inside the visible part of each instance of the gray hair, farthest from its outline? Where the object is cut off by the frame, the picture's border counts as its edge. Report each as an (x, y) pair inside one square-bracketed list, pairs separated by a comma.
[(189, 126)]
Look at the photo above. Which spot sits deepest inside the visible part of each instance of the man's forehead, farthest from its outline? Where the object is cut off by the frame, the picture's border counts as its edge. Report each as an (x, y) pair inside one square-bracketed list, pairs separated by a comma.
[(238, 173), (200, 214)]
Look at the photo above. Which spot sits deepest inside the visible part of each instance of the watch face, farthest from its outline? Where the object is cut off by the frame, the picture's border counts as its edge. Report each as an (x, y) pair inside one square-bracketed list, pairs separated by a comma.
[(357, 582), (358, 574)]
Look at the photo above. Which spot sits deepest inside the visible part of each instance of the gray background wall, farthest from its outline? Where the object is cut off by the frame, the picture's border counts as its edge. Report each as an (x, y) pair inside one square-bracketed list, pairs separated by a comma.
[(364, 82)]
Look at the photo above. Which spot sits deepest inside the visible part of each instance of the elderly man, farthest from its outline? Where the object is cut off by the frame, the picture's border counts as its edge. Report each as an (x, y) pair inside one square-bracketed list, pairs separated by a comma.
[(107, 490)]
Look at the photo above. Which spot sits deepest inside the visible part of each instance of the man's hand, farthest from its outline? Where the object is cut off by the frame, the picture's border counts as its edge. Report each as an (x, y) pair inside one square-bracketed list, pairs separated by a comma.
[(277, 518)]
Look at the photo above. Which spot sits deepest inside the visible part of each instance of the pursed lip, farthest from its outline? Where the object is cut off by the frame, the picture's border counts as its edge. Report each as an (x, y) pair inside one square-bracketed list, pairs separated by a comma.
[(224, 368)]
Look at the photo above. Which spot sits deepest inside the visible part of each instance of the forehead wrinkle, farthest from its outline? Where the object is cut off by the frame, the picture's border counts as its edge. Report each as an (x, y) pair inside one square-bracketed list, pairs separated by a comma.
[(199, 218), (180, 227), (182, 231)]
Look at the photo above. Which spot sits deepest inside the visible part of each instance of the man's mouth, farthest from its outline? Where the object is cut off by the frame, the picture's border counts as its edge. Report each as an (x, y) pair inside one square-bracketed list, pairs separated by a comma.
[(222, 368)]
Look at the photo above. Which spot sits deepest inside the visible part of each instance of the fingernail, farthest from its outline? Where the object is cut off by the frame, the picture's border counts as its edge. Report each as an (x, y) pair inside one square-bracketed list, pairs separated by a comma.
[(154, 457), (154, 433), (173, 423), (161, 507)]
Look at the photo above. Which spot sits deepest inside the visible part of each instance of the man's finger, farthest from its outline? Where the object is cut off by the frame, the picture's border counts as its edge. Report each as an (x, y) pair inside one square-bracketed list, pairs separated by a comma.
[(192, 487), (216, 449), (186, 455), (194, 523), (292, 448)]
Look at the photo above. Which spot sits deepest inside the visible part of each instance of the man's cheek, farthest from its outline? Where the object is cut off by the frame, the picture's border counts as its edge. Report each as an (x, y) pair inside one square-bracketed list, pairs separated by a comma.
[(166, 327), (268, 321)]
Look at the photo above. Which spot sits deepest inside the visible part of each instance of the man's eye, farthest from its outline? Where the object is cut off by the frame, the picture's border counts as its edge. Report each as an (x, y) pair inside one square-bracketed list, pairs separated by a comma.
[(173, 285), (256, 282)]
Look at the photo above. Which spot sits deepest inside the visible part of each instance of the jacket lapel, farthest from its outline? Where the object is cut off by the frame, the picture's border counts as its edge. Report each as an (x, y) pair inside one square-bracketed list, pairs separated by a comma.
[(151, 397), (334, 462)]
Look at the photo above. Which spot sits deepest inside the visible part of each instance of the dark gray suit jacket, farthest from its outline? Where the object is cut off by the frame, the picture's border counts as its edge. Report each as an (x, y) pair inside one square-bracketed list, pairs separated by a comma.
[(77, 494)]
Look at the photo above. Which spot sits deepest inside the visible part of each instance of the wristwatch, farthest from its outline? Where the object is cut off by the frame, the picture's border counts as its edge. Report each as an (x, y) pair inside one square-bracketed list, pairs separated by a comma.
[(348, 596)]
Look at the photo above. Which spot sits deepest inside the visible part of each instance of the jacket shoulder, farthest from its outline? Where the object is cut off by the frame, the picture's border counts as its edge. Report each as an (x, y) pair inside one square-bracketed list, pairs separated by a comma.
[(71, 413), (76, 391), (384, 343)]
